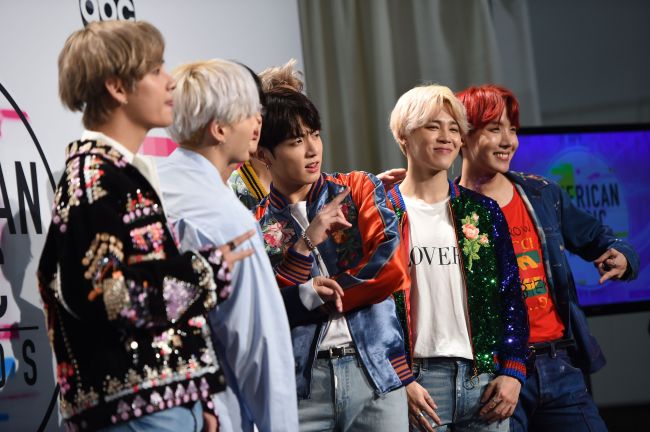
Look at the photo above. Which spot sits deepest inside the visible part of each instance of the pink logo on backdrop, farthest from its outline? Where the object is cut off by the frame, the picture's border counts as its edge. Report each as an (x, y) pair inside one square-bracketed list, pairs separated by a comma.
[(9, 114)]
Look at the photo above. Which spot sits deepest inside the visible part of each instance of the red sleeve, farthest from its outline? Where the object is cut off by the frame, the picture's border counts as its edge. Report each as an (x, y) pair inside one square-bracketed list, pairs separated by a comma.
[(381, 271)]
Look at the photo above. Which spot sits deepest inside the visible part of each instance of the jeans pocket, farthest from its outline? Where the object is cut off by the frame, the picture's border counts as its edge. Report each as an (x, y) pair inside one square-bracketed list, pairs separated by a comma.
[(417, 371), (568, 364)]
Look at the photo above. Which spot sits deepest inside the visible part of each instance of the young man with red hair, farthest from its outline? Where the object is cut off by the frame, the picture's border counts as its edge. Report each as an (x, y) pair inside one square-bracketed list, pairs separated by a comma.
[(543, 222)]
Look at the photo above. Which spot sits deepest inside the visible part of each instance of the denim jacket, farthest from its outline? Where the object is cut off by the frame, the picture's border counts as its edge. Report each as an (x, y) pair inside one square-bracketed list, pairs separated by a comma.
[(363, 261), (562, 225)]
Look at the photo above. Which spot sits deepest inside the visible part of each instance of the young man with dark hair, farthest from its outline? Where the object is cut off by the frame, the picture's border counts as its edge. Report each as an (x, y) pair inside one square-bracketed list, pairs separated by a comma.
[(555, 397), (332, 241)]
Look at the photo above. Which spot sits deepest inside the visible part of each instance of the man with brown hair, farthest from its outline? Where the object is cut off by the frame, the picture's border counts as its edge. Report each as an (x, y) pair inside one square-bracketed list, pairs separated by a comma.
[(125, 310)]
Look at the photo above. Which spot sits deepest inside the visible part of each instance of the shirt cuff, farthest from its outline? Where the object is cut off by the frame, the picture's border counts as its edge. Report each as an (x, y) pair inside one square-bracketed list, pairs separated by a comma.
[(308, 295)]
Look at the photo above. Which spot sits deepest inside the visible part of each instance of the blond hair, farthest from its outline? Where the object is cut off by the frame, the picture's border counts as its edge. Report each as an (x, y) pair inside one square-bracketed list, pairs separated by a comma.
[(282, 76), (416, 107), (218, 90), (126, 50)]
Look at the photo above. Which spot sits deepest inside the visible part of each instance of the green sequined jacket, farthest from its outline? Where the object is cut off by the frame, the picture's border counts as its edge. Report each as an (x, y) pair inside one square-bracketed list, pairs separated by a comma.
[(497, 315)]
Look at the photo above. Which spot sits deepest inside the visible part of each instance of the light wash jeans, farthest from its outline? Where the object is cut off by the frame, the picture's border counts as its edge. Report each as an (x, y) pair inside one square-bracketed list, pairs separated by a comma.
[(555, 398), (177, 419), (458, 396), (342, 399)]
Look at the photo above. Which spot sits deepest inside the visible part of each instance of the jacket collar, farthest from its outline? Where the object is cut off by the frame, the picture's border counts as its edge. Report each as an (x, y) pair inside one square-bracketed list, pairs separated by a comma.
[(528, 181), (279, 201), (252, 181)]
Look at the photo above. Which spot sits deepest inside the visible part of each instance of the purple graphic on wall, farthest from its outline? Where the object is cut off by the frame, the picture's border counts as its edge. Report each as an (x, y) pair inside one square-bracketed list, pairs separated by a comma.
[(608, 175)]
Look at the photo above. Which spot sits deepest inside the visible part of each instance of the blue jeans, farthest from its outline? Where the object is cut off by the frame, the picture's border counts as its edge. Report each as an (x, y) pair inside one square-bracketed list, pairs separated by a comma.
[(177, 419), (343, 399), (458, 396), (555, 398)]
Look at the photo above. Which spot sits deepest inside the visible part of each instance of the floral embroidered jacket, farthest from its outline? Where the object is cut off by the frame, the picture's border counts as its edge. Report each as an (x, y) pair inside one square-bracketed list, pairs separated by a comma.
[(124, 309), (498, 319), (362, 259)]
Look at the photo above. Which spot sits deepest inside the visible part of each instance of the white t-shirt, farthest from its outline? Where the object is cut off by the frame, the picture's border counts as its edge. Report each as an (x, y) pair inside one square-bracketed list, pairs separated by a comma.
[(338, 333), (438, 297)]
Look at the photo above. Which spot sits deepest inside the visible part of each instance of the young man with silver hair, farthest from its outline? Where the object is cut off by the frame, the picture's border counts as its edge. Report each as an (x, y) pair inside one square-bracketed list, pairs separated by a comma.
[(216, 123)]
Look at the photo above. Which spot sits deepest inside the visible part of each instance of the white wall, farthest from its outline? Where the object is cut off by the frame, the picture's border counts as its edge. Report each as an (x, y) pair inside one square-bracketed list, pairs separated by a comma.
[(256, 32)]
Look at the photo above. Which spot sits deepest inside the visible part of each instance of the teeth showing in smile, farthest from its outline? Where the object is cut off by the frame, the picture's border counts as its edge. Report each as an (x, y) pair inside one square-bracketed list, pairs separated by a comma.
[(502, 156)]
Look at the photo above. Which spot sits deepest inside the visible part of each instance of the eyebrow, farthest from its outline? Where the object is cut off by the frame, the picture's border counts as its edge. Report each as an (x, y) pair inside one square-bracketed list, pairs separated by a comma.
[(451, 122)]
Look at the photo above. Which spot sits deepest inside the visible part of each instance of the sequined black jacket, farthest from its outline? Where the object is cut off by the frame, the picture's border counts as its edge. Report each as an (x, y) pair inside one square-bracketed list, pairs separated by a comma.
[(124, 309)]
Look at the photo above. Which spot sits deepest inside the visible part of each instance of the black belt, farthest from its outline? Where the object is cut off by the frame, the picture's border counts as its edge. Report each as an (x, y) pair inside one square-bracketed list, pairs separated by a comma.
[(336, 352), (551, 347)]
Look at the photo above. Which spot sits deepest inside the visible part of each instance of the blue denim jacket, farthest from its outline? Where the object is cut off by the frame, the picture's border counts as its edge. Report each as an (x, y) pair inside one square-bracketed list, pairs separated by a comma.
[(363, 261), (562, 225)]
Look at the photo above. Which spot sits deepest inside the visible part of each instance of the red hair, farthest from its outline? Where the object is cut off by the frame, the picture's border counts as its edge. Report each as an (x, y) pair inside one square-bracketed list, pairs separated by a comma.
[(485, 104)]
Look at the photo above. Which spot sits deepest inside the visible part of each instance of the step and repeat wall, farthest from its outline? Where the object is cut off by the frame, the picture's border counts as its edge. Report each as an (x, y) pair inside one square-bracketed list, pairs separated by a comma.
[(34, 129)]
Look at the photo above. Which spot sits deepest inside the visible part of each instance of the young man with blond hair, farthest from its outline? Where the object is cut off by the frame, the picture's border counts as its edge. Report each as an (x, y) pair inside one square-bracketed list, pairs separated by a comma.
[(463, 310)]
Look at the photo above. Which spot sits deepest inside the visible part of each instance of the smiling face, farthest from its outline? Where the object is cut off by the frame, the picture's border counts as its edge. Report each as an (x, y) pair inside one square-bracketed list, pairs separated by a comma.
[(150, 104), (490, 150), (434, 146), (295, 163)]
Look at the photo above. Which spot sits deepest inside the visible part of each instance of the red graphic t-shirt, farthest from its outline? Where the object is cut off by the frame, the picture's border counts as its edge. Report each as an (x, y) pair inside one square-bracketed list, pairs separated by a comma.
[(545, 324)]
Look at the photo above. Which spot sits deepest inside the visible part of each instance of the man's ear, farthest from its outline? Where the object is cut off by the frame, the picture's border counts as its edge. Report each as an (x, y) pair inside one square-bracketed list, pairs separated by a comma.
[(217, 131), (116, 89), (265, 155), (402, 143)]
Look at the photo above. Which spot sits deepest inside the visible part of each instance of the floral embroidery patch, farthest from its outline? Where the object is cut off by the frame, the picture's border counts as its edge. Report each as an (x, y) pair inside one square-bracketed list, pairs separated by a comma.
[(473, 240), (276, 236)]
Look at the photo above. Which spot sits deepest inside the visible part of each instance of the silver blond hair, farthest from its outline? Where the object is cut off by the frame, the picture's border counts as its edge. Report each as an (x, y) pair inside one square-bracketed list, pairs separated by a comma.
[(216, 89)]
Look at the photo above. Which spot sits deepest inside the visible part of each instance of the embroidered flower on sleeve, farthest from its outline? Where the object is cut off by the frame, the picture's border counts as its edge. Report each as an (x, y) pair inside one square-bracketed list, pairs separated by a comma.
[(276, 235)]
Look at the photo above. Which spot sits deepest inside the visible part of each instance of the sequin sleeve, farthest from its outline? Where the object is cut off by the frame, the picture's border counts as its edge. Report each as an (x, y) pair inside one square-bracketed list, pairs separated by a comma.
[(123, 266)]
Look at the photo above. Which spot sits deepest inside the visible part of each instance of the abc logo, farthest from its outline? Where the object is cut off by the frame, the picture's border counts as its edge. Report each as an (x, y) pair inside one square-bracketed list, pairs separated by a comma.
[(104, 10)]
